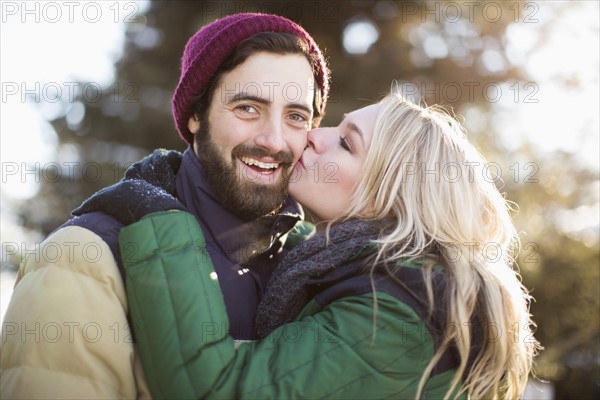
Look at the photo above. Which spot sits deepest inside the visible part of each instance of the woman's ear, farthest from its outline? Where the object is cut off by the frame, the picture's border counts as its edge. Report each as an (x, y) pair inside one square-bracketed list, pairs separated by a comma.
[(194, 124)]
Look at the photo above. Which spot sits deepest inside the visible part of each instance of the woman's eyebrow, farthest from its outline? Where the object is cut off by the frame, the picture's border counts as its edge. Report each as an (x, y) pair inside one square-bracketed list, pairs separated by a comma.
[(352, 126)]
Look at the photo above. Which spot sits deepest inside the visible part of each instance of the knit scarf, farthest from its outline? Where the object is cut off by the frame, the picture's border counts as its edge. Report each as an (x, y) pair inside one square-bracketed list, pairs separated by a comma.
[(287, 292), (132, 196)]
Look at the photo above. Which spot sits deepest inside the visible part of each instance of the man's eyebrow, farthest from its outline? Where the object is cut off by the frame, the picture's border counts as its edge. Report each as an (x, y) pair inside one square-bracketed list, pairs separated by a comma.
[(248, 97), (245, 96), (299, 106)]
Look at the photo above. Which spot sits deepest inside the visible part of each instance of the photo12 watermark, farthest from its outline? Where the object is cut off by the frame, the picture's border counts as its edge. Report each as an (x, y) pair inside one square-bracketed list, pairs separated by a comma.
[(93, 172), (54, 12), (455, 11), (69, 92), (70, 332), (53, 252), (453, 92)]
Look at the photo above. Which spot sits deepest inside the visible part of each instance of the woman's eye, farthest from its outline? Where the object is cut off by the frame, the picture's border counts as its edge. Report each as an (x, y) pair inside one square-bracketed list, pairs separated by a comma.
[(344, 143)]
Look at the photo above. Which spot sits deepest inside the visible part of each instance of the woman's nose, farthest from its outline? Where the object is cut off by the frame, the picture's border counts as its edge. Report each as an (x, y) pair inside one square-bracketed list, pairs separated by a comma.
[(317, 138)]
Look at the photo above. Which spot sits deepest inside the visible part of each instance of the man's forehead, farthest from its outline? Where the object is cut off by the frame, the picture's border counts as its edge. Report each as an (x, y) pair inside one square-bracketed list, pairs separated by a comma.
[(268, 56), (269, 77), (271, 67), (234, 91)]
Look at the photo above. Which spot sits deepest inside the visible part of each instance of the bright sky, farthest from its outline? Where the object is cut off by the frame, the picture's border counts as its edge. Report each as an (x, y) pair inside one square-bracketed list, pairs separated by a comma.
[(46, 46), (566, 116)]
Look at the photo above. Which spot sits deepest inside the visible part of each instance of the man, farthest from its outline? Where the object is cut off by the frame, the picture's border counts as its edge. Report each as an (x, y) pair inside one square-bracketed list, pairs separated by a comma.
[(250, 88)]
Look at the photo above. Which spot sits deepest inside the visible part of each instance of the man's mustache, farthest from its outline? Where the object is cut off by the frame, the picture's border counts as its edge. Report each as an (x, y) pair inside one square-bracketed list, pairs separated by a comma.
[(282, 157)]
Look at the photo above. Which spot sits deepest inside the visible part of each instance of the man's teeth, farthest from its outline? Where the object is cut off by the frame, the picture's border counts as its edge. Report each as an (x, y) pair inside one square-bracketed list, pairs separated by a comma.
[(263, 165)]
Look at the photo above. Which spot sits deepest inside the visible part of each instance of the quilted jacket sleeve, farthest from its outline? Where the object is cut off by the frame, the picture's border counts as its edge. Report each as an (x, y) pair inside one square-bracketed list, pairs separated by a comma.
[(181, 326), (65, 334)]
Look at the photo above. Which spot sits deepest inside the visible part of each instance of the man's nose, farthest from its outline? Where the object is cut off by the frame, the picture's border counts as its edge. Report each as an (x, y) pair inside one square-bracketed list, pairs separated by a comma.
[(271, 137)]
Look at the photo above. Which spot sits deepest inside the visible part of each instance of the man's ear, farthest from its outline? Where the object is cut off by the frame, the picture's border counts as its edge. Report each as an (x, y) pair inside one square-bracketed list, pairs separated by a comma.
[(194, 124)]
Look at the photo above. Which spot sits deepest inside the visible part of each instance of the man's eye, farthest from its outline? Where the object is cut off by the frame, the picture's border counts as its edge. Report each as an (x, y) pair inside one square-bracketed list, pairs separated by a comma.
[(298, 117), (247, 109), (344, 143)]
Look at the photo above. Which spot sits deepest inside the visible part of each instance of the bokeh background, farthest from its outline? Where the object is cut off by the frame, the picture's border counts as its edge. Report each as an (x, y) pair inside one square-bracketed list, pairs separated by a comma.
[(86, 90)]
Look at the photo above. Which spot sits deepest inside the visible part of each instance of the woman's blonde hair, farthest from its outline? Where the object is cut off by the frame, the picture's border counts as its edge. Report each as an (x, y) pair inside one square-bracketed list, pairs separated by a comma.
[(422, 173)]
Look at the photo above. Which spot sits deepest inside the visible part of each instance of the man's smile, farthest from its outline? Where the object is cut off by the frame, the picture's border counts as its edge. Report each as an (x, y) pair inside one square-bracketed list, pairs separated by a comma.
[(260, 166)]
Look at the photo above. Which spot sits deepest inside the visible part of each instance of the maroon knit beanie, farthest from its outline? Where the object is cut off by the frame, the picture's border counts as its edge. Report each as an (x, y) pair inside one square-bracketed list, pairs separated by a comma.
[(213, 43)]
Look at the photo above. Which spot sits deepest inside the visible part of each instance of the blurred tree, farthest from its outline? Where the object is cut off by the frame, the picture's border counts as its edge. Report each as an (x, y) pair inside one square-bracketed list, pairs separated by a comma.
[(435, 52)]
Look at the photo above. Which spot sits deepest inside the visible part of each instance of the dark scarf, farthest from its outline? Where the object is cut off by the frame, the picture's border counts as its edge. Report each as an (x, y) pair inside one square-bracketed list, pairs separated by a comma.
[(148, 186), (287, 292)]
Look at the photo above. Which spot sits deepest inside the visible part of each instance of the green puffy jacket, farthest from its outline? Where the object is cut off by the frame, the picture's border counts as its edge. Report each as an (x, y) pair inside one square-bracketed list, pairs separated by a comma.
[(337, 350)]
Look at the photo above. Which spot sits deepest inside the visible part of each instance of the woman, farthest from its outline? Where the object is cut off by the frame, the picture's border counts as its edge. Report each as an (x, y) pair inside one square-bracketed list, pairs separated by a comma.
[(397, 295)]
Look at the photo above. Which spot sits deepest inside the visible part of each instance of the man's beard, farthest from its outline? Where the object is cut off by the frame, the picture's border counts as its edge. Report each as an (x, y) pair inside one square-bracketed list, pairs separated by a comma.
[(240, 195)]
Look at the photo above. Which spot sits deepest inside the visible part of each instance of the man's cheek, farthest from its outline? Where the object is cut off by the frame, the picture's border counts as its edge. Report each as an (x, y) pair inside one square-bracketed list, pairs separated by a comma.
[(299, 147)]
